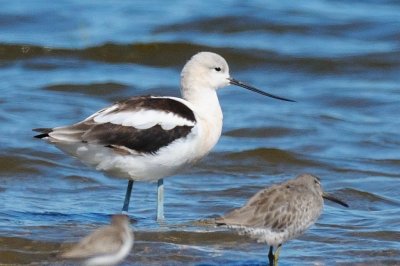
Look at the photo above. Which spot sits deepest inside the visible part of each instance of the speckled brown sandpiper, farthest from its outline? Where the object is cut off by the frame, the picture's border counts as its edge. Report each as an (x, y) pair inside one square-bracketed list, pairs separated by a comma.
[(280, 212), (108, 245)]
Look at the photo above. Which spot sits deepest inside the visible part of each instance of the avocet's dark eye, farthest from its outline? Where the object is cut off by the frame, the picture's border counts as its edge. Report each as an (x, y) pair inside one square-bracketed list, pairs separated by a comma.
[(217, 69)]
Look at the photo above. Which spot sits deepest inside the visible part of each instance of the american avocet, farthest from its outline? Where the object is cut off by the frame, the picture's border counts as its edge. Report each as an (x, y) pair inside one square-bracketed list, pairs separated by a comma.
[(151, 137), (281, 212), (108, 245)]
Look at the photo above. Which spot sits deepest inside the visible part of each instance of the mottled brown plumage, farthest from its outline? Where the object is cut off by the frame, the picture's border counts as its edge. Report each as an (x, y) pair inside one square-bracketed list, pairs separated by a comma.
[(281, 212), (107, 245)]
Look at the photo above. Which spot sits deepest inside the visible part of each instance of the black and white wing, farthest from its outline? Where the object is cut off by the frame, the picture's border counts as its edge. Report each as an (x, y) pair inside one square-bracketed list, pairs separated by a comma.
[(137, 125)]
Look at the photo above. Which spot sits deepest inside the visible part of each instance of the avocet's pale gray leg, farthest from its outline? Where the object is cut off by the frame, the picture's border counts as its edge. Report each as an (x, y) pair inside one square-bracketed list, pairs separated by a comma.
[(127, 197), (160, 199)]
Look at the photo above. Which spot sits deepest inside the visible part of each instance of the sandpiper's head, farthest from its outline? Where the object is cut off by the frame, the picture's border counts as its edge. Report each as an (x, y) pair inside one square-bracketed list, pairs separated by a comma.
[(120, 219), (314, 183), (206, 70)]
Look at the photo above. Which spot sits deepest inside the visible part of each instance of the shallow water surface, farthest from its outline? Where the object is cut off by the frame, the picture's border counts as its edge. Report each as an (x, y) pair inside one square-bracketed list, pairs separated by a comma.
[(61, 61)]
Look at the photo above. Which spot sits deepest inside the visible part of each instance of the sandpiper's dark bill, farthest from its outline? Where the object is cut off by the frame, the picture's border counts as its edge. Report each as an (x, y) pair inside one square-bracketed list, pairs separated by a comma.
[(334, 199)]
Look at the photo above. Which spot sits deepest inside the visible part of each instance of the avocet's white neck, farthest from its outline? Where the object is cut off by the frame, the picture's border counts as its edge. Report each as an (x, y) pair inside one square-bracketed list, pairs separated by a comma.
[(209, 114), (204, 100)]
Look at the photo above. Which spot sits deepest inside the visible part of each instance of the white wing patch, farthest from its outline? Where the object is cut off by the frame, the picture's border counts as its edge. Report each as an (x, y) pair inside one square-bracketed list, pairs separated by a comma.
[(143, 119), (103, 111)]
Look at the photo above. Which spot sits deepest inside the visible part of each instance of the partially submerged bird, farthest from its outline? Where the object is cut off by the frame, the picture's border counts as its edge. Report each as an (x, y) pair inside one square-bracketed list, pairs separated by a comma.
[(280, 212), (108, 245), (148, 138)]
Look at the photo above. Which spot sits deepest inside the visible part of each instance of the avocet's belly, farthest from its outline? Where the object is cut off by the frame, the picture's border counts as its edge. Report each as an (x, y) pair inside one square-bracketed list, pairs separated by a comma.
[(147, 166)]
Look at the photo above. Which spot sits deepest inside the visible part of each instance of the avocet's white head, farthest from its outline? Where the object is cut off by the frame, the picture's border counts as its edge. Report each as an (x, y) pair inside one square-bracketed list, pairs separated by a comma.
[(205, 70), (210, 71)]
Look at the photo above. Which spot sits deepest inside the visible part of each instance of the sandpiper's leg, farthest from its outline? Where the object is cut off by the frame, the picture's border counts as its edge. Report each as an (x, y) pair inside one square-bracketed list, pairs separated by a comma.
[(127, 196), (271, 256), (276, 255), (160, 199)]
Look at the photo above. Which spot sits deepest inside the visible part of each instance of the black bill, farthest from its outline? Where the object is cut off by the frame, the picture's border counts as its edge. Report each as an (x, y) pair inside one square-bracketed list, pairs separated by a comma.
[(334, 199), (251, 88)]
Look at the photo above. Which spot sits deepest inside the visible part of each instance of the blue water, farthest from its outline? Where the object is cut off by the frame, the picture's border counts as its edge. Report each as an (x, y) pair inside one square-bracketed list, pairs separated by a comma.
[(61, 61)]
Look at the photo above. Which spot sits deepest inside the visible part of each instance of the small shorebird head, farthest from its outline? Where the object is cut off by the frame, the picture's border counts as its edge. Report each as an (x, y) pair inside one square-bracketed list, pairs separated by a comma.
[(120, 219), (210, 70), (315, 184)]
